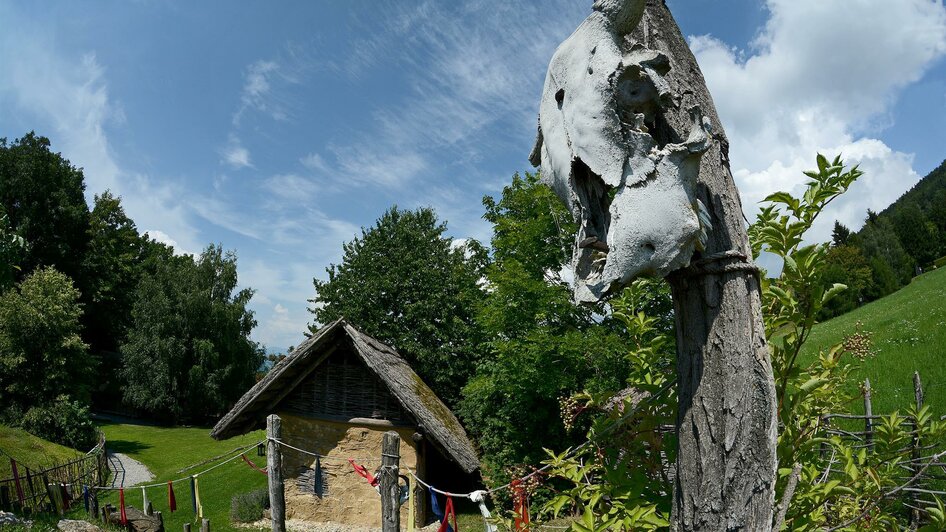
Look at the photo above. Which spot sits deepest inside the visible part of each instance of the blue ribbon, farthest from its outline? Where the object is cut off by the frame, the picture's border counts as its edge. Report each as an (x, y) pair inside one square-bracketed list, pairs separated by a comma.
[(435, 508)]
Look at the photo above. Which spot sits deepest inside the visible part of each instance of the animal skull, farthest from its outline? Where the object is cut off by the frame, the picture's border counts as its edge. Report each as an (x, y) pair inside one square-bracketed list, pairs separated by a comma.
[(604, 149)]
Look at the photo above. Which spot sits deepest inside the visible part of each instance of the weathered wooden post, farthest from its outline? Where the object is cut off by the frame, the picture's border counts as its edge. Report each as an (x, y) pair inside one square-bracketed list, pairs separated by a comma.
[(187, 527), (390, 491), (5, 499), (630, 140), (915, 465), (277, 493), (205, 525), (868, 417)]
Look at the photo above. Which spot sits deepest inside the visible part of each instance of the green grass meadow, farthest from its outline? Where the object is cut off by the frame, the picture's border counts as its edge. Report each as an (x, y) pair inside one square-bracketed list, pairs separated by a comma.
[(167, 450), (908, 331)]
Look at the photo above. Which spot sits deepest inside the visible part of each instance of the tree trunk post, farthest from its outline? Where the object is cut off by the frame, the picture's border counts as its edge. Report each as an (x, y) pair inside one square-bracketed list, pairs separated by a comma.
[(915, 452), (726, 420), (868, 417), (277, 493), (390, 491)]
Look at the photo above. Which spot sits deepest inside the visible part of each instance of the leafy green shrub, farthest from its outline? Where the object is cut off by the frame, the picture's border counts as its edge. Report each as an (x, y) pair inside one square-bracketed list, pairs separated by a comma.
[(65, 422), (249, 507)]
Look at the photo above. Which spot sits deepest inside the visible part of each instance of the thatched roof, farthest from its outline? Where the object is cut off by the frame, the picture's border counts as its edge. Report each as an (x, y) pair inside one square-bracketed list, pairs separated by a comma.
[(436, 420)]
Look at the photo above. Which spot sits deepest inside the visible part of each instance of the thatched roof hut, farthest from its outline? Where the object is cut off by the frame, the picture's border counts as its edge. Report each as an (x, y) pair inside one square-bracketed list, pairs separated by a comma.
[(337, 393)]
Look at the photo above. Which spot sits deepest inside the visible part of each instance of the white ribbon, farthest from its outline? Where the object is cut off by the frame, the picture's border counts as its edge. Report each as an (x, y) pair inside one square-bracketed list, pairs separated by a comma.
[(479, 497)]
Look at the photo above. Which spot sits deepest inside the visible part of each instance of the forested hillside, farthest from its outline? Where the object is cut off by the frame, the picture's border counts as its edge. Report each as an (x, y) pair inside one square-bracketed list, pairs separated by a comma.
[(892, 247)]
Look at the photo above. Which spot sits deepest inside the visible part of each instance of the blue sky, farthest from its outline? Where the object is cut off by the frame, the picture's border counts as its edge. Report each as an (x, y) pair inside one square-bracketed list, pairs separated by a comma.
[(279, 129)]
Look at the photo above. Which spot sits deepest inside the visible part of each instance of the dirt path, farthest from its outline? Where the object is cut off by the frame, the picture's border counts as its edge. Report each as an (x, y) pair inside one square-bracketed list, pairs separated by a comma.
[(127, 471)]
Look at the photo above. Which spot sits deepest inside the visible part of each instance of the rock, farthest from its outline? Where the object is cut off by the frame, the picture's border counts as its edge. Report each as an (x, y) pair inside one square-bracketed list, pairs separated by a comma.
[(6, 518), (74, 525), (137, 520)]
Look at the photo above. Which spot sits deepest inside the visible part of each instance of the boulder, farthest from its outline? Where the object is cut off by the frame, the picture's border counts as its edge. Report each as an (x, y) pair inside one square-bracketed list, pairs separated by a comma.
[(74, 525)]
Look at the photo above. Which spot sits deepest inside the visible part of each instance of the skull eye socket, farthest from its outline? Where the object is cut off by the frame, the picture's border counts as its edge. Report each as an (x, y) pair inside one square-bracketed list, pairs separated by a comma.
[(560, 97)]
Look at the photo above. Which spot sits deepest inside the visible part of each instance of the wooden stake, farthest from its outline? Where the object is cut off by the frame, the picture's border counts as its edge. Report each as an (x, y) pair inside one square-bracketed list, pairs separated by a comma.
[(390, 492), (868, 419), (277, 494), (205, 525)]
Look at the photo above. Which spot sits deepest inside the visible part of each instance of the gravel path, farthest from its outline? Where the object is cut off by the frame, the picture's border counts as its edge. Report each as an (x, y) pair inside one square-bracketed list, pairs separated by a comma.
[(127, 471)]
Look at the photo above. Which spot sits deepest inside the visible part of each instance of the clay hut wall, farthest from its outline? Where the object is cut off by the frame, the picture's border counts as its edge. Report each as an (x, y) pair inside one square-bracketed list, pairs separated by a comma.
[(347, 497)]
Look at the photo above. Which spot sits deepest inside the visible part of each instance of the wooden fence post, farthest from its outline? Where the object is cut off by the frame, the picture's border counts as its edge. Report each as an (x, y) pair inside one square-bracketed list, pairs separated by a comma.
[(205, 525), (187, 527), (390, 492), (868, 417), (277, 494), (915, 454)]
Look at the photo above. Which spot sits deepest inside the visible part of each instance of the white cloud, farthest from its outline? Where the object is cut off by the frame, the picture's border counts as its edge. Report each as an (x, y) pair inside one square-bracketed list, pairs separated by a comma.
[(822, 77), (235, 155), (66, 96), (257, 88), (314, 162)]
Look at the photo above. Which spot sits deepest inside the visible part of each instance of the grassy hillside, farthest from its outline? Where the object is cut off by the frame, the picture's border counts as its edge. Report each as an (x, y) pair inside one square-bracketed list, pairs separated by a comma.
[(909, 334), (35, 452), (168, 450)]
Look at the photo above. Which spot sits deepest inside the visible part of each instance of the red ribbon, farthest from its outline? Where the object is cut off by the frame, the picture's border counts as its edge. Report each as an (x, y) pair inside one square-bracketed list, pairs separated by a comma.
[(16, 480), (364, 472), (447, 512), (172, 502), (251, 464), (121, 503), (520, 505)]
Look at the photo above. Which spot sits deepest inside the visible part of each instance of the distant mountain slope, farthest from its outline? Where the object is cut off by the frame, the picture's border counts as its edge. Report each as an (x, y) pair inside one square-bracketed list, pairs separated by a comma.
[(928, 190), (892, 247)]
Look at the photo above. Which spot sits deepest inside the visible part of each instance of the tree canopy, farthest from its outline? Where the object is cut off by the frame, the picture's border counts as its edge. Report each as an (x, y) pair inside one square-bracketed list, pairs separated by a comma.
[(42, 354), (188, 354), (406, 283)]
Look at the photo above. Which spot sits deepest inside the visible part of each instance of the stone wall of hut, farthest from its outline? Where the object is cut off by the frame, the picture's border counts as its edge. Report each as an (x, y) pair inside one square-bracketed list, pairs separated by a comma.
[(347, 498)]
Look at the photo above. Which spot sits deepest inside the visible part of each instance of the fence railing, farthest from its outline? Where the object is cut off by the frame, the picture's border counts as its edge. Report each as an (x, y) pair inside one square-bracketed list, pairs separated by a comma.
[(32, 491), (924, 473)]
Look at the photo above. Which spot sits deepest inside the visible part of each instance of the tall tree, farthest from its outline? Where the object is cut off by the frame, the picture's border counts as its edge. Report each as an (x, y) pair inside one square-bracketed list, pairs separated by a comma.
[(918, 235), (840, 234), (543, 347), (112, 270), (42, 355), (188, 354), (891, 264), (44, 196), (12, 246), (407, 284)]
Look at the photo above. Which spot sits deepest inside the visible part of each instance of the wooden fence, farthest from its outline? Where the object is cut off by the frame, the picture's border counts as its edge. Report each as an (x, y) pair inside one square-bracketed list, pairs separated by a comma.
[(31, 491), (924, 473)]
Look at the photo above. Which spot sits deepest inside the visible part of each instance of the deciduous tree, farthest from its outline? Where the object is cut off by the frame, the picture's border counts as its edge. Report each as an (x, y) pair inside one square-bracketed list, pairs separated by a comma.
[(188, 354), (407, 284)]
